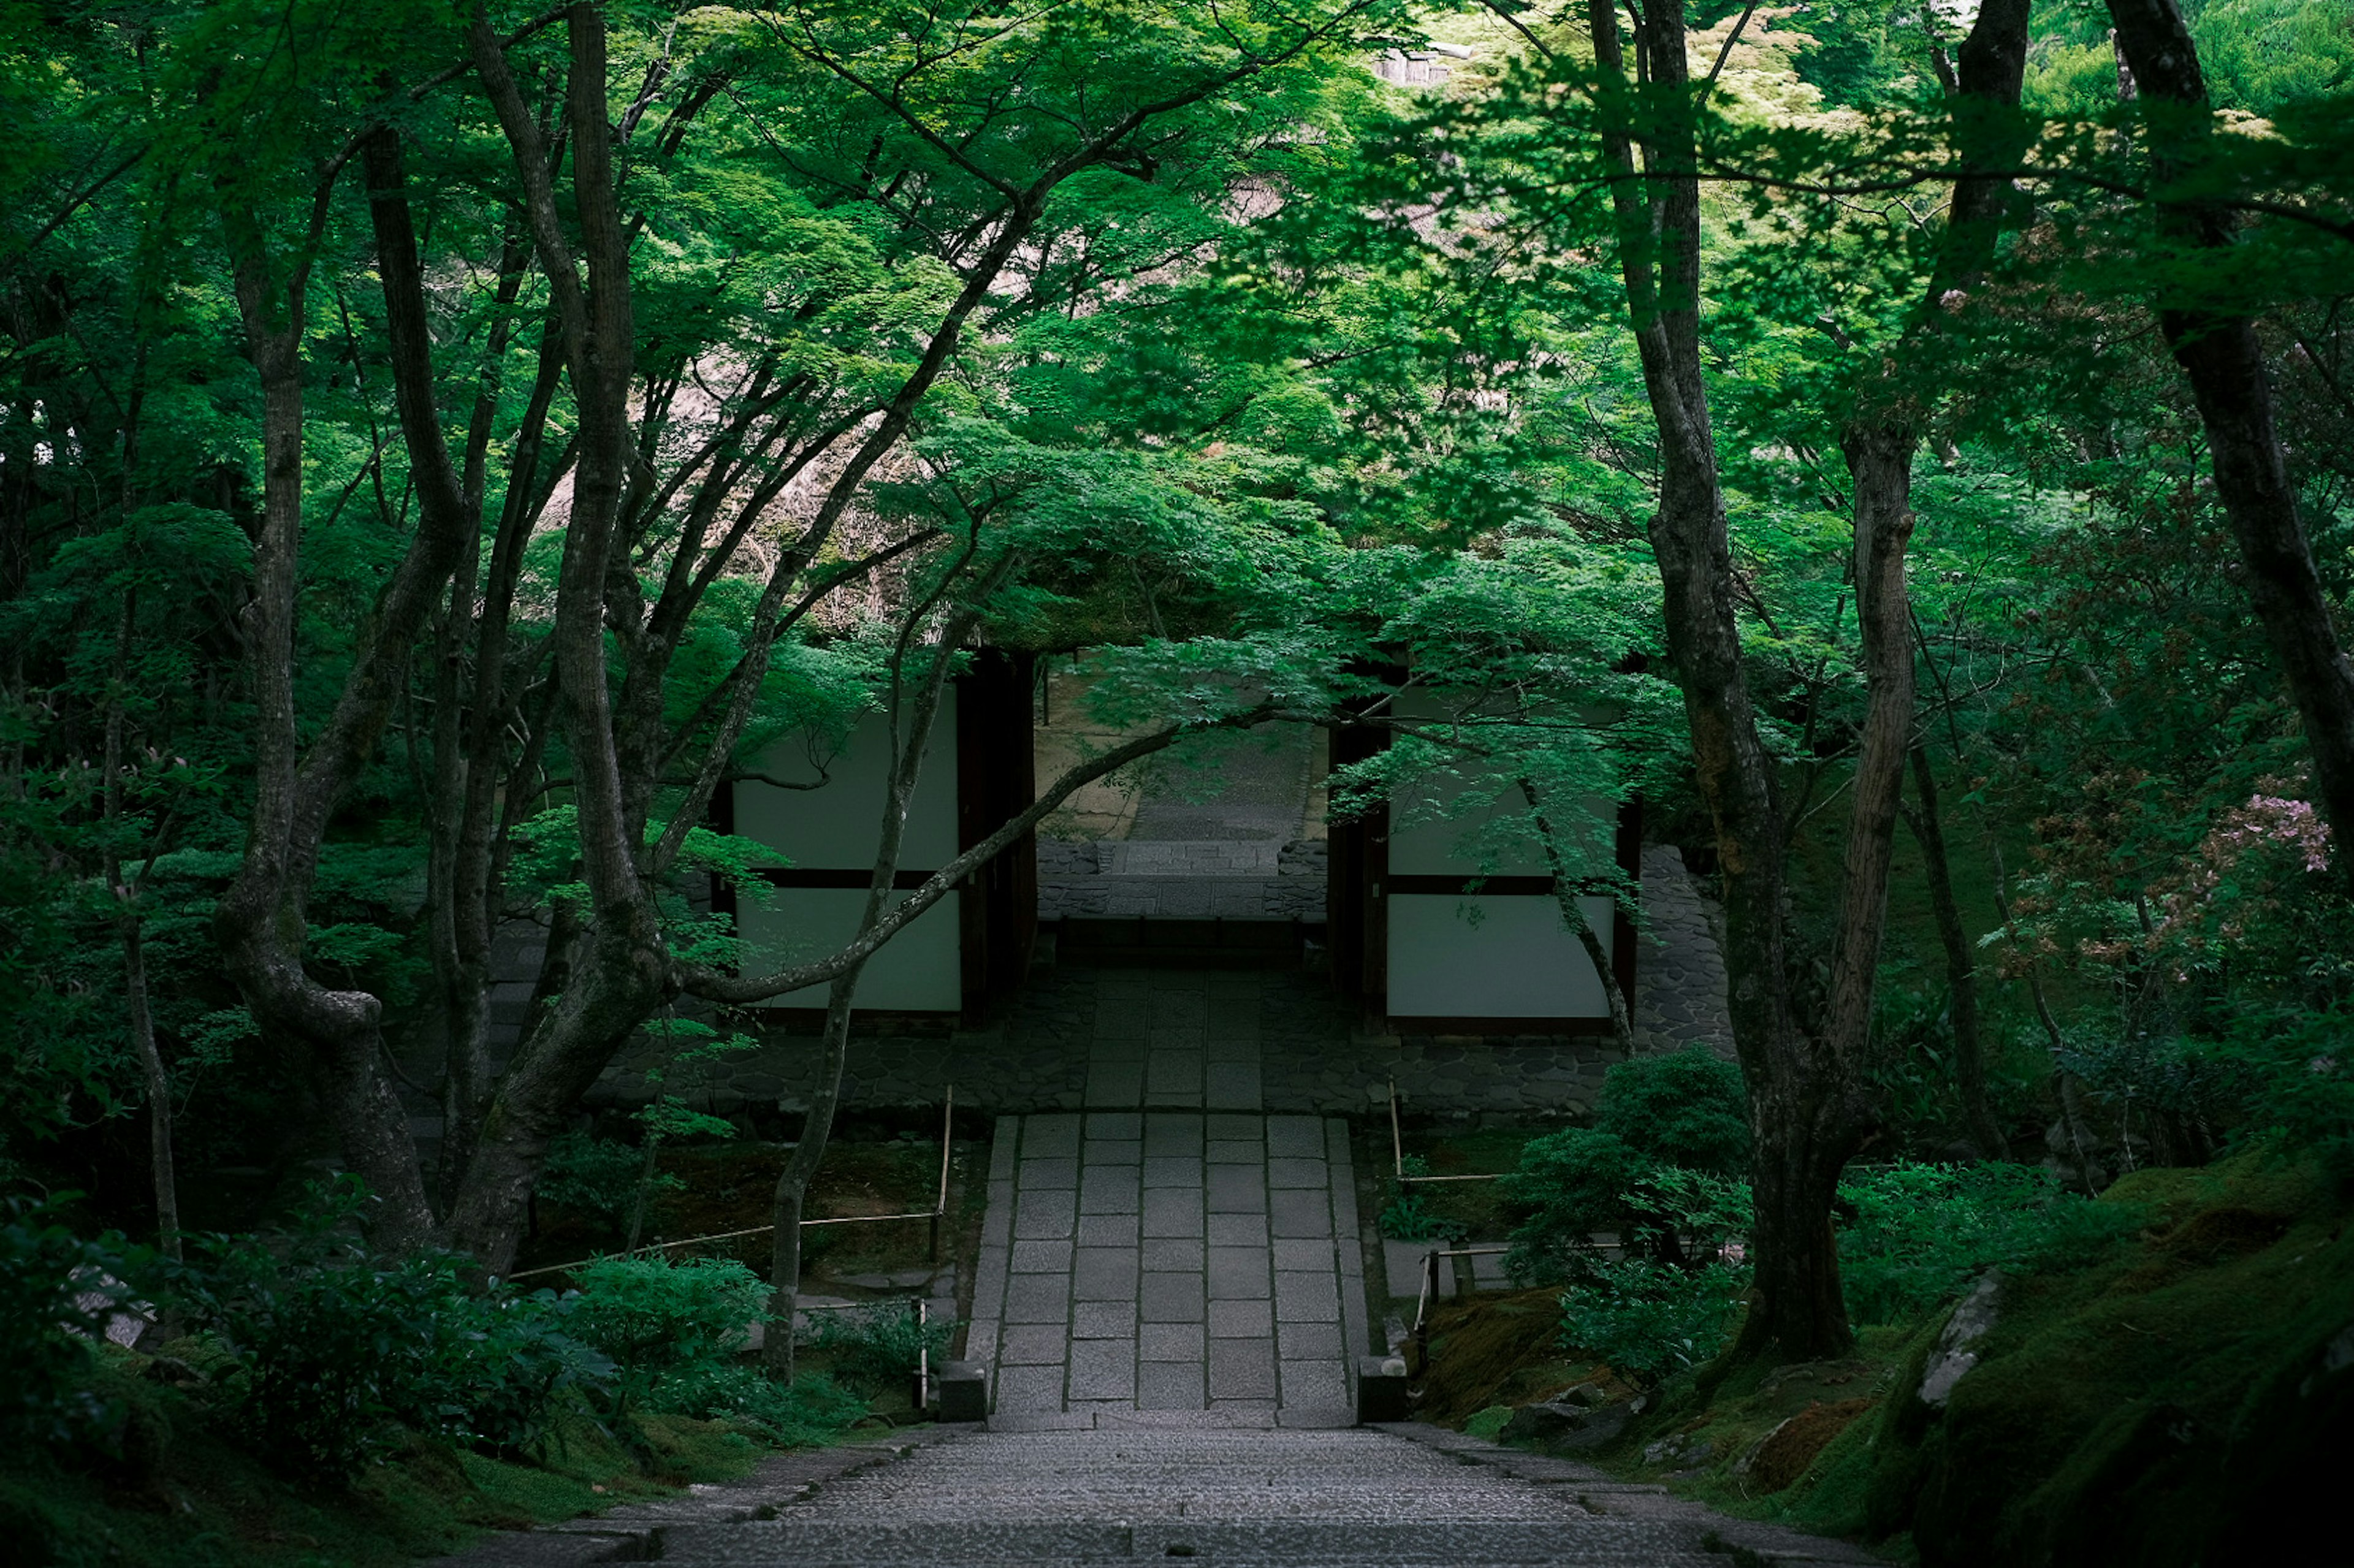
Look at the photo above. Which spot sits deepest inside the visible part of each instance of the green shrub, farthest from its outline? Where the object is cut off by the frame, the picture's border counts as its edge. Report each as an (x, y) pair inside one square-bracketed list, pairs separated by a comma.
[(1685, 1108), (326, 1349), (1407, 1218), (812, 1409), (325, 1352), (654, 1315), (1665, 1127), (598, 1176), (57, 1292), (2293, 1071), (878, 1347), (1569, 1184), (1648, 1320), (1916, 1235), (511, 1365)]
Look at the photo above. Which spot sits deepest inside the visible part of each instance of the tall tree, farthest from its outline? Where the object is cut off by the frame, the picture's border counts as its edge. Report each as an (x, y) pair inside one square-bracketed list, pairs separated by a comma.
[(1809, 1105), (2223, 359)]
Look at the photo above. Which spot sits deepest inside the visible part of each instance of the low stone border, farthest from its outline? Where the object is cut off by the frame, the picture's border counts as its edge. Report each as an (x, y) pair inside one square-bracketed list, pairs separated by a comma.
[(633, 1532), (1748, 1542)]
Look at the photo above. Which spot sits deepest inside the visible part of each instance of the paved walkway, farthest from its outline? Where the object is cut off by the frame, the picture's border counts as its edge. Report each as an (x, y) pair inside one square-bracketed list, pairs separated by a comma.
[(1363, 1498), (1170, 1261)]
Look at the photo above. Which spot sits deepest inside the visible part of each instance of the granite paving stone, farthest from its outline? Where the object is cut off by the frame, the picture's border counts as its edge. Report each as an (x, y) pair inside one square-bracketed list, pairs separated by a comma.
[(1173, 1211), (1040, 1174), (1237, 1190), (1172, 1171), (1045, 1215), (1104, 1274), (1103, 1321), (1308, 1341), (1309, 1385), (1038, 1299), (1030, 1387), (1103, 1369), (1304, 1297), (1299, 1214), (1238, 1230), (1040, 1258), (1170, 1342), (1169, 1385), (1032, 1344), (1294, 1135), (1170, 1298), (1169, 1254), (1050, 1136), (1303, 1253), (1239, 1274), (1104, 1197), (1238, 1320), (1171, 1132), (1296, 1170), (1108, 1230), (1241, 1369)]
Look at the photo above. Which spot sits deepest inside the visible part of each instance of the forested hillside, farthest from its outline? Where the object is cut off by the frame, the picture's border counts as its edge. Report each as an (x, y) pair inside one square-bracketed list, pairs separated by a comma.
[(1909, 446)]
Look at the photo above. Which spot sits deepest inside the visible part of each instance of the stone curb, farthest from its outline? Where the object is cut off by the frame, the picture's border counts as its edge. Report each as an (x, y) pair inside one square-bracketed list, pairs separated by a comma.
[(633, 1532), (1748, 1540)]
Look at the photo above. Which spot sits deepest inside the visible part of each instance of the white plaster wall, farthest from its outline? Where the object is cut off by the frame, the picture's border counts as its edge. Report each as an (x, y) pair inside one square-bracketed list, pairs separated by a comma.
[(919, 970), (836, 826), (1516, 961)]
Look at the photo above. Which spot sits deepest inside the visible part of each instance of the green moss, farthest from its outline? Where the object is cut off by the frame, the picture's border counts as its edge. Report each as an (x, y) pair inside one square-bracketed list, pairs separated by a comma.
[(182, 1494), (2113, 1410), (1489, 1422)]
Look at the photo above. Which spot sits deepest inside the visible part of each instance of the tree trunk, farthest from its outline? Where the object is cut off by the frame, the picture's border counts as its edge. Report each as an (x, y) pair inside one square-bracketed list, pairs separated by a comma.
[(2225, 363), (1564, 891), (1961, 967), (793, 1182), (1804, 1126), (159, 1084)]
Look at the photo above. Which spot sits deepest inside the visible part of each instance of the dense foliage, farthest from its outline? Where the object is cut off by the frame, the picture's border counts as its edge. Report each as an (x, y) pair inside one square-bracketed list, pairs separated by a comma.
[(443, 446)]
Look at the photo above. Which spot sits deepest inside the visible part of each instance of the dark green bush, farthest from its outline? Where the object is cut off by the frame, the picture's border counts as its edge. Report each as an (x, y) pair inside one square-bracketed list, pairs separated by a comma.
[(1686, 1108), (1680, 1113), (1569, 1185), (2294, 1073), (57, 1292), (1647, 1319), (1916, 1235), (513, 1364), (327, 1353), (600, 1176), (878, 1347), (655, 1316)]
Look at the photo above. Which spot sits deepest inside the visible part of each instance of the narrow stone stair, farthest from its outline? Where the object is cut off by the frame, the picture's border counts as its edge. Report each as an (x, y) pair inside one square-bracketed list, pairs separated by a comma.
[(1227, 1496)]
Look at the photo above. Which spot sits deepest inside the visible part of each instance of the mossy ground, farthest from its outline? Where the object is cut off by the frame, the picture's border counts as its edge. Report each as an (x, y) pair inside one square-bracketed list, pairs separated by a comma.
[(182, 1493), (2150, 1406), (732, 1186), (1475, 1208)]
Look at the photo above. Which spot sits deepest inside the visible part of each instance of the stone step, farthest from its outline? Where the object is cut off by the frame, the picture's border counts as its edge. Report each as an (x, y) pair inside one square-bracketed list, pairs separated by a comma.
[(1423, 1543)]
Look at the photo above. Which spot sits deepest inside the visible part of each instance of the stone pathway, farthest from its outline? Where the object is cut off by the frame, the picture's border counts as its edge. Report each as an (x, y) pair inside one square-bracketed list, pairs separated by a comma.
[(1170, 1261), (1404, 1495)]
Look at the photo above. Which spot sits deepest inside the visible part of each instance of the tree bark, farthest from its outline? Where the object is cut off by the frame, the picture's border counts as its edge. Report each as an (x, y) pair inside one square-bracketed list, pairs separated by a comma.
[(129, 932), (2224, 360), (1565, 890), (1804, 1126), (260, 921), (1961, 967)]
